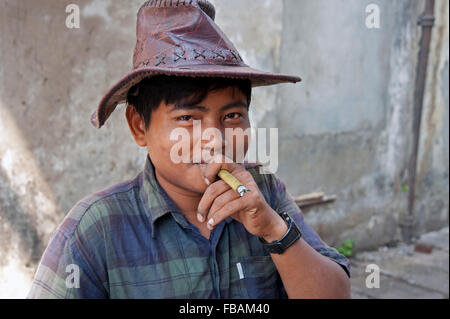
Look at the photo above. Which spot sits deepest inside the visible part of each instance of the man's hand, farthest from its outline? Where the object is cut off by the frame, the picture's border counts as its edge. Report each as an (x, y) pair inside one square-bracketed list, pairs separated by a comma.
[(220, 201), (305, 273)]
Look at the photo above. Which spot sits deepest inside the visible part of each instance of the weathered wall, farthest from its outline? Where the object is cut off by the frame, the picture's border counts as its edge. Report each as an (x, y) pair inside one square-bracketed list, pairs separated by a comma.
[(345, 130), (354, 140), (51, 79), (433, 162)]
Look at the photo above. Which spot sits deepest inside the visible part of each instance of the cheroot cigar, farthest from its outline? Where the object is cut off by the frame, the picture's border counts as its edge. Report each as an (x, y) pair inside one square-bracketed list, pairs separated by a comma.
[(233, 182)]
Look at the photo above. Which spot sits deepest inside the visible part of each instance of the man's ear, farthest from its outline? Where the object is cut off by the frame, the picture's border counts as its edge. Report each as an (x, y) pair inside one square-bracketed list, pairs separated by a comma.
[(136, 125)]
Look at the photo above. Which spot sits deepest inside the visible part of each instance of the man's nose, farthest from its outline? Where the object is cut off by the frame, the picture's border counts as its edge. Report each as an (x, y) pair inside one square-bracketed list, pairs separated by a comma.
[(213, 137)]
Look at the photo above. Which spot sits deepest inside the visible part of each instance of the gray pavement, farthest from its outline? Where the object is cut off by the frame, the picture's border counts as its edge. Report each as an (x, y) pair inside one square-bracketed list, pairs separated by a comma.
[(418, 270)]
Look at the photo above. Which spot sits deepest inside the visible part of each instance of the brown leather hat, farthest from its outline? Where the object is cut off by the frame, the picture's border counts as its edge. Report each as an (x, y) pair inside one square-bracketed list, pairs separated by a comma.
[(180, 38)]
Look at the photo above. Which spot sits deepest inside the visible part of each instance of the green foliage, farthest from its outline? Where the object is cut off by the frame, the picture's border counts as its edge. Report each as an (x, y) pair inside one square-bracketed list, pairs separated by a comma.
[(346, 248), (405, 187)]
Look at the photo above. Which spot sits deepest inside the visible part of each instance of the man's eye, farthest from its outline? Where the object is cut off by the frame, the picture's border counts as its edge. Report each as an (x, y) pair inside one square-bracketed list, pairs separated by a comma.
[(185, 118), (233, 116)]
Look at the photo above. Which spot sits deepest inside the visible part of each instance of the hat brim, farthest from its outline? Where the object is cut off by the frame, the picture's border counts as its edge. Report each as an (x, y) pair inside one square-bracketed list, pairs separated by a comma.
[(117, 94)]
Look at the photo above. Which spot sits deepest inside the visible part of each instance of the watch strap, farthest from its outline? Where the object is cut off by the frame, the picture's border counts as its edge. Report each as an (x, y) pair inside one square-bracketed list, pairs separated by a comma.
[(290, 237)]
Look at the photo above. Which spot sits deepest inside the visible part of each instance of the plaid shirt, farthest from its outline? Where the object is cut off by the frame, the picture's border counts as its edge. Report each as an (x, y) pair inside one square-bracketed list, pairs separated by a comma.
[(130, 241)]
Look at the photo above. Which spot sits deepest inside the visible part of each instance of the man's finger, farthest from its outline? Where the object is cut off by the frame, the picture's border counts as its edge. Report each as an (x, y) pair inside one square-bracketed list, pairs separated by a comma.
[(221, 201), (231, 208), (214, 190)]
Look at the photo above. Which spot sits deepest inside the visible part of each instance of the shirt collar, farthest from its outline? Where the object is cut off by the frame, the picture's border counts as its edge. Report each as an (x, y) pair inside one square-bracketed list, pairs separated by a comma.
[(155, 198)]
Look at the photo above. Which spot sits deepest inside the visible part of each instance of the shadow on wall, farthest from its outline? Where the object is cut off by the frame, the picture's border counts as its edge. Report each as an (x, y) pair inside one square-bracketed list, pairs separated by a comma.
[(28, 211), (17, 223)]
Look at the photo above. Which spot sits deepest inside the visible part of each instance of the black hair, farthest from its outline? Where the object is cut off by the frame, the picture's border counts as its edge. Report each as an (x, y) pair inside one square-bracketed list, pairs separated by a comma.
[(147, 95)]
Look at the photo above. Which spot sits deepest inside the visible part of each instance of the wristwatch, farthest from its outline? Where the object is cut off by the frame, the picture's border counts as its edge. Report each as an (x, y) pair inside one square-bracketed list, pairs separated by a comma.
[(292, 235)]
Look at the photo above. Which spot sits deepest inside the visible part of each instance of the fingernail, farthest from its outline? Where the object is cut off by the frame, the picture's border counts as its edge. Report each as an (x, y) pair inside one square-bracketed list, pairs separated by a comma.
[(200, 218), (207, 181), (210, 224)]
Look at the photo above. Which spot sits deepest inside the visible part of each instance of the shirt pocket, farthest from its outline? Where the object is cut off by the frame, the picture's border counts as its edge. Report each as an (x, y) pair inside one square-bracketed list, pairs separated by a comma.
[(259, 277)]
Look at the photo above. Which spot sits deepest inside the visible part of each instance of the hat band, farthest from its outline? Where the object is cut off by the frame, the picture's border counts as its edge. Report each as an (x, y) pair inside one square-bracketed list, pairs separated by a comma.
[(179, 56)]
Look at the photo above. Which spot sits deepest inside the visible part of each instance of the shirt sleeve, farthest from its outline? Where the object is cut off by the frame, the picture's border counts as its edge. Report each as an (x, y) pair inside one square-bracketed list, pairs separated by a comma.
[(282, 201), (69, 267)]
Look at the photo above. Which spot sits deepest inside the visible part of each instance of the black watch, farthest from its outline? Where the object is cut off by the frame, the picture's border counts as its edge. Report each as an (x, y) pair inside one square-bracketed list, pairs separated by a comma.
[(292, 235)]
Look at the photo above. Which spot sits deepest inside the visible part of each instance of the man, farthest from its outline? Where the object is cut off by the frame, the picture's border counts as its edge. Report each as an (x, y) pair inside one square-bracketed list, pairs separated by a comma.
[(177, 230)]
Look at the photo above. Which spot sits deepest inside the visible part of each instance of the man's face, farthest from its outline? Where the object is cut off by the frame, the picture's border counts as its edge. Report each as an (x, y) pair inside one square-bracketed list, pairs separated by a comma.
[(222, 110)]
